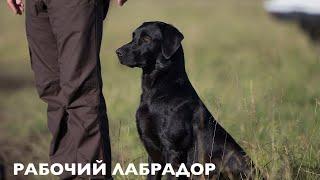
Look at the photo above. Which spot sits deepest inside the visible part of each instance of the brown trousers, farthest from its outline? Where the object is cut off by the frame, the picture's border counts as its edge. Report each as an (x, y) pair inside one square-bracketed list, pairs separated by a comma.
[(64, 38)]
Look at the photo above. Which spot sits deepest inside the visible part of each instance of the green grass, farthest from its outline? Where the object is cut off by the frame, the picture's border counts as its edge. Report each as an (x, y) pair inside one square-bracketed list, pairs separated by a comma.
[(259, 77)]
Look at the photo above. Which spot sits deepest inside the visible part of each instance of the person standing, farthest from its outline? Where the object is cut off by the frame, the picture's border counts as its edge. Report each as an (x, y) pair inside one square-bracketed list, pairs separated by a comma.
[(64, 38)]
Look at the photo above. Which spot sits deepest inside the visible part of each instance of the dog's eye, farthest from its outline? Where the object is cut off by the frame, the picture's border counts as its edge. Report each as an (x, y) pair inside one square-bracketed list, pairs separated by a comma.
[(146, 39)]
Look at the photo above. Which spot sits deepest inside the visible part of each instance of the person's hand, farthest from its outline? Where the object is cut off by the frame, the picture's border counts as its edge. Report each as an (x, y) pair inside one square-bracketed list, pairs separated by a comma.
[(17, 6), (121, 2)]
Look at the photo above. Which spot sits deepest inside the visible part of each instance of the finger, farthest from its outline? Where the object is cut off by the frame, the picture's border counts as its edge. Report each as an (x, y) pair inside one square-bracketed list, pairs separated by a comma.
[(121, 2), (20, 10), (12, 6), (19, 6), (22, 4), (19, 2)]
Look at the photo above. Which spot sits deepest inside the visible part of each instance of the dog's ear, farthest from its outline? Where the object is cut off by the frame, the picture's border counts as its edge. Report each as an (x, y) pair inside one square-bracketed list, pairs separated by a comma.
[(171, 40)]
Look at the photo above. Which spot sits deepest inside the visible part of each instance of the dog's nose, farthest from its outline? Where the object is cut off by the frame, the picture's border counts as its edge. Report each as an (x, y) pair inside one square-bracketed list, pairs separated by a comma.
[(119, 52)]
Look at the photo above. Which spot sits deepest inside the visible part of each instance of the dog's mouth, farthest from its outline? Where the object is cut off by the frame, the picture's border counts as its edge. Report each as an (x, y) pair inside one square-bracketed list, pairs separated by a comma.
[(127, 64), (131, 66)]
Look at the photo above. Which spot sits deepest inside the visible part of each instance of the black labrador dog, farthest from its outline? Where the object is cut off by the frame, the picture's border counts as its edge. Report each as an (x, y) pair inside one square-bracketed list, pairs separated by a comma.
[(173, 123)]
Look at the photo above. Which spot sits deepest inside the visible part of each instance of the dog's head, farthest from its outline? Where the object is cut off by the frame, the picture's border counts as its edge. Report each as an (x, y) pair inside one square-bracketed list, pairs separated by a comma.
[(151, 42)]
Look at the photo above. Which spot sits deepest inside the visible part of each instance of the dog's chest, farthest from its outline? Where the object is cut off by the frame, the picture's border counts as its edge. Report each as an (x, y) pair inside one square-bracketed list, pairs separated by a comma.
[(145, 121), (149, 125)]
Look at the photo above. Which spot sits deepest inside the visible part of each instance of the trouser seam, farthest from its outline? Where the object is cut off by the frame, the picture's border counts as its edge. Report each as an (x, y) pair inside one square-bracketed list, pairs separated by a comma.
[(99, 83)]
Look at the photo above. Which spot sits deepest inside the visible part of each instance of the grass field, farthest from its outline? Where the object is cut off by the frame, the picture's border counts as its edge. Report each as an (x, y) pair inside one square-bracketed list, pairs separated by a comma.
[(259, 77)]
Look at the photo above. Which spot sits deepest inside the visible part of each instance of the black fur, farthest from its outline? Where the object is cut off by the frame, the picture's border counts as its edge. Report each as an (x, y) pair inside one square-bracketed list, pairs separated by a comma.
[(173, 123)]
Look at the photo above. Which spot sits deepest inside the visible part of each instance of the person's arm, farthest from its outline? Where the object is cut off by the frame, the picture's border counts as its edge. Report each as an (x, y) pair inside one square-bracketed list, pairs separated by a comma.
[(17, 6)]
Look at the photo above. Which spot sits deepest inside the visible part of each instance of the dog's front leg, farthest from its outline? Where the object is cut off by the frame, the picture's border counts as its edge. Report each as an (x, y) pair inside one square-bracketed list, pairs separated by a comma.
[(158, 174), (175, 158)]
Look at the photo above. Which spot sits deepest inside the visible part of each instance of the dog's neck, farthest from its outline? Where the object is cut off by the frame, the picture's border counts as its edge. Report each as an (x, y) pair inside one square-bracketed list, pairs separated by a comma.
[(157, 77)]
